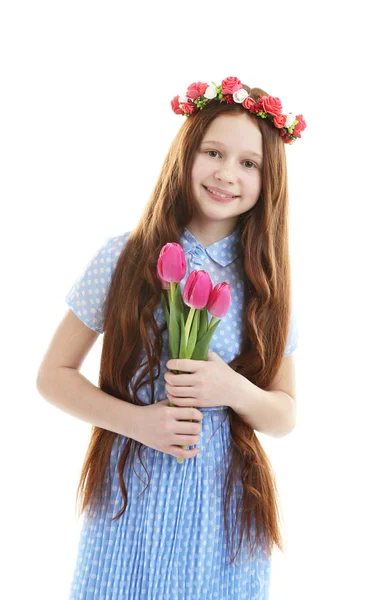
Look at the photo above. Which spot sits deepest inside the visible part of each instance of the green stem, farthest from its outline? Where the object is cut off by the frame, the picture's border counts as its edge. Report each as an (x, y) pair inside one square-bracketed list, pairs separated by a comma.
[(189, 321), (213, 319), (172, 290)]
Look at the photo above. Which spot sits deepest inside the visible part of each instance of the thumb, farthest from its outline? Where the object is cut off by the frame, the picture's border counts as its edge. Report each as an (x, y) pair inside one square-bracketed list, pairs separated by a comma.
[(213, 356)]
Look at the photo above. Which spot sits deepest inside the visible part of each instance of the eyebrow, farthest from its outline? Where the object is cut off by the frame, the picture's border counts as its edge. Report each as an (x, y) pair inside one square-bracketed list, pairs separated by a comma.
[(221, 144)]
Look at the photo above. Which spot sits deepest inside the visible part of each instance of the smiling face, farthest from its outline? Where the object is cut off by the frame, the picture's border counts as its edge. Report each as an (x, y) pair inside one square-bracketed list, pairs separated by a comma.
[(228, 160)]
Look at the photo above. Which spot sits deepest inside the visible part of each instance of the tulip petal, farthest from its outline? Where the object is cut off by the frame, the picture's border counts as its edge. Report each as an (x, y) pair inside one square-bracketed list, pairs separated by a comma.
[(220, 300), (197, 289), (171, 262)]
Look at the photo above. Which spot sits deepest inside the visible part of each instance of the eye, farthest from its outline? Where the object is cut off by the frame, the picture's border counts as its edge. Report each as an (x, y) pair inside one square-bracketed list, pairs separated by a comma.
[(252, 163), (245, 161)]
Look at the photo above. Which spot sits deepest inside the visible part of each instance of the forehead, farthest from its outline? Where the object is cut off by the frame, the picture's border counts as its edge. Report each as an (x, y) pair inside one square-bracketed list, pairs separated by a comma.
[(237, 131)]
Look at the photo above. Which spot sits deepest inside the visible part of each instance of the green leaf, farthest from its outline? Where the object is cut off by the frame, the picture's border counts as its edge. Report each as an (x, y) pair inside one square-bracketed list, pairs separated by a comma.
[(179, 305), (182, 350), (203, 324), (201, 347), (173, 332), (193, 335)]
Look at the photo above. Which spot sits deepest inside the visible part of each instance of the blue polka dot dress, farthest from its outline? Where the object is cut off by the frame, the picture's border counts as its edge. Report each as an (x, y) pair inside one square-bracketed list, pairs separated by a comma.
[(170, 543)]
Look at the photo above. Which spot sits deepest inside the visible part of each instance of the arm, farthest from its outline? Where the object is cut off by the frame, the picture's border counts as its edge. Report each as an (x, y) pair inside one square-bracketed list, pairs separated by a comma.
[(271, 411), (71, 392), (60, 382)]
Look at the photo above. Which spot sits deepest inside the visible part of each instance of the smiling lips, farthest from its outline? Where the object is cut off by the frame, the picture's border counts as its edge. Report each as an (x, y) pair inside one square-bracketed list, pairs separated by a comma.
[(220, 193)]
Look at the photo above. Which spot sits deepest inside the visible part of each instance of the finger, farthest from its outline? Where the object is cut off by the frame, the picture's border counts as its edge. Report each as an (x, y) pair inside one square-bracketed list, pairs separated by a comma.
[(180, 401), (184, 364), (187, 426), (182, 392), (187, 414), (179, 378), (186, 439), (179, 452)]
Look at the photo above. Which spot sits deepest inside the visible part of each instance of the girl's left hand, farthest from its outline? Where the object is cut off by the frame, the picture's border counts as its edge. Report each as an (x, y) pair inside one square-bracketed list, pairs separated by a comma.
[(205, 383)]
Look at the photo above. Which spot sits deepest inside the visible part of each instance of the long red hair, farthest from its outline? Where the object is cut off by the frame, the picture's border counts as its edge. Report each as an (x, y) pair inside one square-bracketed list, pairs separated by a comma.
[(135, 293)]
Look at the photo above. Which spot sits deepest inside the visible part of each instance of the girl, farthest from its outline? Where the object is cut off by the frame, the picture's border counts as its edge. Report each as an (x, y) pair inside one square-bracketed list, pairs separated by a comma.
[(154, 528)]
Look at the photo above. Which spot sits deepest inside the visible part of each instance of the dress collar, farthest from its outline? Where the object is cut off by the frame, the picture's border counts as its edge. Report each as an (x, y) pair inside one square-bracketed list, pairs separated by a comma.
[(223, 251)]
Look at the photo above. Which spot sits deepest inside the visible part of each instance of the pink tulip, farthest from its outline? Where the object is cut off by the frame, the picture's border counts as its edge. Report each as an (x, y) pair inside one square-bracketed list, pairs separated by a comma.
[(197, 289), (164, 284), (171, 265), (220, 300)]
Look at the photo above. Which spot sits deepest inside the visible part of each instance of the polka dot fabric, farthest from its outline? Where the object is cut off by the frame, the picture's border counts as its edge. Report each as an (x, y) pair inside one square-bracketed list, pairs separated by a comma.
[(87, 295), (170, 543)]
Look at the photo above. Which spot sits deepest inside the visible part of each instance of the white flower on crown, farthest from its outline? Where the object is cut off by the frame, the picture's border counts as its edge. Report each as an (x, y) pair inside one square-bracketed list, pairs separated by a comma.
[(210, 92), (290, 118), (240, 95), (183, 98)]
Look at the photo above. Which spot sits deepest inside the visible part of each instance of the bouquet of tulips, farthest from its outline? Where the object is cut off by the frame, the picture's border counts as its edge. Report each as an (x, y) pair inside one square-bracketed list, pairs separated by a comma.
[(189, 330)]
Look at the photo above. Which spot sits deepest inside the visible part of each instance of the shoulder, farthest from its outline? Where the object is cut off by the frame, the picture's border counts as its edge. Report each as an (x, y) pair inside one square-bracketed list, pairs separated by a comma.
[(87, 294), (114, 246), (117, 242)]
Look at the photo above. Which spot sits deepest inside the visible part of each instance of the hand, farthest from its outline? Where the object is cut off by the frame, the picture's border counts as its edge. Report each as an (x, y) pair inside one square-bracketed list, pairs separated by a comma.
[(167, 428), (205, 383)]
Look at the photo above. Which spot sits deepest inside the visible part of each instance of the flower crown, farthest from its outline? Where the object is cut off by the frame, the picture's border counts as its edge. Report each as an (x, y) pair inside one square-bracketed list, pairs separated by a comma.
[(231, 90)]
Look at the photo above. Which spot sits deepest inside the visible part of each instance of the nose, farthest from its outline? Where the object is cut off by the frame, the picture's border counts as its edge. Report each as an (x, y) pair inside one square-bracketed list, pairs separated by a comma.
[(225, 173)]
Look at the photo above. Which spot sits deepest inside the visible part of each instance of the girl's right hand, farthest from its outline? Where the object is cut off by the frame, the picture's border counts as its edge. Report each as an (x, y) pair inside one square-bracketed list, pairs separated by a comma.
[(167, 428)]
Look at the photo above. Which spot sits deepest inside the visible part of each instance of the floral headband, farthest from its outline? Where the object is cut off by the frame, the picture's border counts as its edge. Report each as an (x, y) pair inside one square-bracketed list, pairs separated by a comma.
[(231, 90)]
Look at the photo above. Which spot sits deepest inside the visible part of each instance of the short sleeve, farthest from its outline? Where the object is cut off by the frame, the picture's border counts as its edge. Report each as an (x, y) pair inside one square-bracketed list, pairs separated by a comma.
[(292, 339), (88, 293)]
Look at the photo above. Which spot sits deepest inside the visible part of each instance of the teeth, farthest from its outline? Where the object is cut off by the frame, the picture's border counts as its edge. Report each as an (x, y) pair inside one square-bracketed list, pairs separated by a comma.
[(218, 194)]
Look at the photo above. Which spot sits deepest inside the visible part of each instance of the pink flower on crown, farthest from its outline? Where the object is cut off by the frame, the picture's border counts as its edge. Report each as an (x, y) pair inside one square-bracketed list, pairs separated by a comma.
[(196, 89), (272, 105), (249, 103), (175, 106), (189, 107), (280, 121), (301, 125), (231, 85)]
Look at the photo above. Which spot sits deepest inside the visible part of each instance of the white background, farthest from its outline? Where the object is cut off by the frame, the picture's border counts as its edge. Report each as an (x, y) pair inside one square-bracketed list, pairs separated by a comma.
[(85, 125)]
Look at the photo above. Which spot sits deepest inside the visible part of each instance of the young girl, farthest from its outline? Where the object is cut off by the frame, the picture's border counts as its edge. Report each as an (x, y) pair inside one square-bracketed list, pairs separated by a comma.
[(153, 528)]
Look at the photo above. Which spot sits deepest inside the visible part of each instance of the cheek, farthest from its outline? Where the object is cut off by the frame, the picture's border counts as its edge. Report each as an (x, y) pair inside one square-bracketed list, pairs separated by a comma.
[(253, 184), (199, 170)]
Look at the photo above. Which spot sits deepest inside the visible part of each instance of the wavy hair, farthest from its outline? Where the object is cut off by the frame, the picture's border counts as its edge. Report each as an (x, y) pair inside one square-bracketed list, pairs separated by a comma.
[(135, 292)]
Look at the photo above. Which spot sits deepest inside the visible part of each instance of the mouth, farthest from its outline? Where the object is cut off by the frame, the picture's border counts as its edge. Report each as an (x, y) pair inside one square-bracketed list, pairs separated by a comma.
[(219, 197)]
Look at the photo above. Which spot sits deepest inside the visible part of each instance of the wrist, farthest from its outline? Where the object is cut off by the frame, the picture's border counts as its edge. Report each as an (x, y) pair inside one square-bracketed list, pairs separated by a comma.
[(240, 388), (131, 416)]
